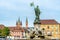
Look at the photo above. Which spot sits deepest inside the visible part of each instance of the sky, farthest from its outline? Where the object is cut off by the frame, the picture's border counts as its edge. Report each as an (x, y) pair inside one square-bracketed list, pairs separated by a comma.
[(11, 10)]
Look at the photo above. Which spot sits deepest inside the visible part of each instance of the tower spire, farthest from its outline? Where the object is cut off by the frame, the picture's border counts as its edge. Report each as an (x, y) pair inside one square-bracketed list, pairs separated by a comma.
[(26, 22), (19, 19), (19, 23)]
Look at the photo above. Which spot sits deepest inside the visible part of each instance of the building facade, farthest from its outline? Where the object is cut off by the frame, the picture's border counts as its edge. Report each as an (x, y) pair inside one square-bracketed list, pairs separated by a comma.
[(50, 28)]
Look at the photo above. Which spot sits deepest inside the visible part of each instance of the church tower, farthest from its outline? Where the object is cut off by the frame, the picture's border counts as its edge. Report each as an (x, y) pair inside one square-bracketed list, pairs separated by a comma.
[(19, 23), (26, 22)]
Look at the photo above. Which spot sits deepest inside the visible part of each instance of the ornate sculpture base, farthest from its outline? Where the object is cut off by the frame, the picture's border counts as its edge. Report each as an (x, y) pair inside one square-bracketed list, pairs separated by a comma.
[(37, 22)]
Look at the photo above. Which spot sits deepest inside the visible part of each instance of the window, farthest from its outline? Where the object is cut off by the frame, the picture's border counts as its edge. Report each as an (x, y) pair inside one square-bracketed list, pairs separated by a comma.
[(56, 32), (52, 27), (43, 29), (48, 27), (49, 33)]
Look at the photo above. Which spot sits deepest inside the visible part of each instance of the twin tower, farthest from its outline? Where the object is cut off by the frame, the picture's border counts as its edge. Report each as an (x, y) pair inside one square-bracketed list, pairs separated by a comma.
[(19, 23)]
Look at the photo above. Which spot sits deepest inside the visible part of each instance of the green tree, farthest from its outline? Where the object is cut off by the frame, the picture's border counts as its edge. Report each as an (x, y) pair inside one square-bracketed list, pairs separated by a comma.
[(5, 31), (0, 32)]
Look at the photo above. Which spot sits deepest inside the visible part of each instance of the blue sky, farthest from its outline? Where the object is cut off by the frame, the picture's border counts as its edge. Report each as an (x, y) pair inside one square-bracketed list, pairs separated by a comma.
[(11, 10)]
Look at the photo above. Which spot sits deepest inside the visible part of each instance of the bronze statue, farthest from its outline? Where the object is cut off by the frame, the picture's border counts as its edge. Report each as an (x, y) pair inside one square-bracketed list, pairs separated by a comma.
[(37, 12)]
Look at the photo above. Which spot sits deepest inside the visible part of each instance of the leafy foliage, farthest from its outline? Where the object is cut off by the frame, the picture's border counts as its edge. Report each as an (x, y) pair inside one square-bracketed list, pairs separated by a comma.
[(0, 32), (5, 31)]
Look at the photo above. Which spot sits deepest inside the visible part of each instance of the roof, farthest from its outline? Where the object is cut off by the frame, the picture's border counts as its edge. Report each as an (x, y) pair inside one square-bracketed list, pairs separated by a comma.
[(49, 21), (13, 28), (16, 29)]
